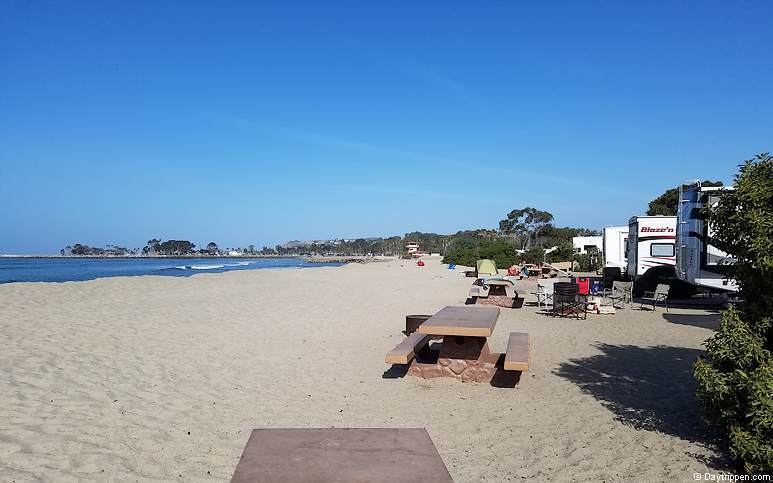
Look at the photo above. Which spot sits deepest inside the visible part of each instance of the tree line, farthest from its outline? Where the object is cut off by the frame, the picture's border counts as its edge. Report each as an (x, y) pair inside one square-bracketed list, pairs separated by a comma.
[(525, 235), (521, 237), (154, 247)]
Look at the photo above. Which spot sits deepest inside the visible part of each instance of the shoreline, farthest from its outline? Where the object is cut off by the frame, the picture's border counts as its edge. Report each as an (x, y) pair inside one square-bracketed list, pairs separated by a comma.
[(130, 257), (308, 258), (45, 270)]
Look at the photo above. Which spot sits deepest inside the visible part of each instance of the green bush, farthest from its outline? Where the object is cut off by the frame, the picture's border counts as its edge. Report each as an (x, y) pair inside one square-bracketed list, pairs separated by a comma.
[(735, 378), (535, 255), (466, 251), (589, 261), (564, 253)]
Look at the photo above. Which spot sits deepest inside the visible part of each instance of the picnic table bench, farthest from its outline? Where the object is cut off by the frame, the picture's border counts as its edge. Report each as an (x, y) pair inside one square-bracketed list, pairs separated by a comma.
[(407, 349), (518, 352)]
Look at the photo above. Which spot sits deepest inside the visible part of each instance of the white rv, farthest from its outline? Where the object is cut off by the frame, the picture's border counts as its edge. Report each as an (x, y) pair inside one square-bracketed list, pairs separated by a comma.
[(651, 243), (615, 247), (698, 261), (582, 244)]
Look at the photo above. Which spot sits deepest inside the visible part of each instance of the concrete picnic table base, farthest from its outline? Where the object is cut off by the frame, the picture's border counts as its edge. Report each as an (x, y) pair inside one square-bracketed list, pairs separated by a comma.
[(465, 358), (497, 295), (499, 301)]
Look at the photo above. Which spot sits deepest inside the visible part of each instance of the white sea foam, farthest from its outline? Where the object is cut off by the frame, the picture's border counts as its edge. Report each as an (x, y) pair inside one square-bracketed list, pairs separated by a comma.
[(204, 267), (212, 267), (239, 264)]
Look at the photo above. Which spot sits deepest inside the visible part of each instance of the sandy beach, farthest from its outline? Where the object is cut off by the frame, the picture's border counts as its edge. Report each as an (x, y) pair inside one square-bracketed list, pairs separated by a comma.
[(162, 378)]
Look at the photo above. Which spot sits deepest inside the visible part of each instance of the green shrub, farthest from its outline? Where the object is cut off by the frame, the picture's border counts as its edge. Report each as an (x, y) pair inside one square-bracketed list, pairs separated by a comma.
[(466, 251), (735, 378), (590, 261), (535, 255), (564, 253)]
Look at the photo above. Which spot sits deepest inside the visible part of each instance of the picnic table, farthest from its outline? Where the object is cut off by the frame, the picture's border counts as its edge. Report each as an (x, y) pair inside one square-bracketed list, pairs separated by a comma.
[(382, 455), (464, 351), (494, 291)]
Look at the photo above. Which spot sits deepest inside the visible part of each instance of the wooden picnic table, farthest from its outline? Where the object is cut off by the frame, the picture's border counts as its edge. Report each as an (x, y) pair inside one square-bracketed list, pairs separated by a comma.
[(382, 455)]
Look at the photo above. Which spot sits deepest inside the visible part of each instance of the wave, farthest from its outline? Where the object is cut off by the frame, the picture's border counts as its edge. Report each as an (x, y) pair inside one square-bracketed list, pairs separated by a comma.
[(199, 267), (238, 264), (212, 266)]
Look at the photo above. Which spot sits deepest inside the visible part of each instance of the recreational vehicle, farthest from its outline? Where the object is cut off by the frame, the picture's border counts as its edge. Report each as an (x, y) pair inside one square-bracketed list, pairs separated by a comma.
[(582, 244), (697, 260), (651, 244), (614, 247)]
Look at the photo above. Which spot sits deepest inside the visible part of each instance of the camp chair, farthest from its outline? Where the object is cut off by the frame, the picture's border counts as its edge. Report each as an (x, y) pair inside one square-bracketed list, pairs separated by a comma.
[(621, 293), (608, 277), (583, 285), (566, 300), (659, 295), (544, 295)]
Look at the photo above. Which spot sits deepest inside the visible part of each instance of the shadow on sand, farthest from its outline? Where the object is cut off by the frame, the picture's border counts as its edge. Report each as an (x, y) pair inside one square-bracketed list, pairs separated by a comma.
[(649, 388), (705, 321)]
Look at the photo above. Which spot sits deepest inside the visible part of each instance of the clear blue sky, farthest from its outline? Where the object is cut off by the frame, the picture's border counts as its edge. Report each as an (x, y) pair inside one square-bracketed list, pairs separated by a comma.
[(262, 122)]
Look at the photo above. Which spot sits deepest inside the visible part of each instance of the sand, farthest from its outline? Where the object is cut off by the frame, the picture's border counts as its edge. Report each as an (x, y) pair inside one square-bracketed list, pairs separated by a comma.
[(162, 378)]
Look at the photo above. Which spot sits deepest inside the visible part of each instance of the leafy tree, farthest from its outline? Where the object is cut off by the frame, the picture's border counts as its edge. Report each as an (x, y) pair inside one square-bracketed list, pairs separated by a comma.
[(175, 247), (79, 249), (735, 378), (429, 242), (535, 255), (590, 261), (466, 251), (390, 246), (479, 233), (563, 253), (525, 224), (212, 248), (667, 203), (152, 247)]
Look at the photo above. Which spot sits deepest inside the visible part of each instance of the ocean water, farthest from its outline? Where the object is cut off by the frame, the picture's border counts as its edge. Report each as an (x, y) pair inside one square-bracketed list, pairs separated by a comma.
[(75, 269)]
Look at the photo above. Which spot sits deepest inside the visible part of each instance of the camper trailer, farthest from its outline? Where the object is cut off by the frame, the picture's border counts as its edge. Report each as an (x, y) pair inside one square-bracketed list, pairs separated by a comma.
[(697, 260), (651, 243), (614, 247), (584, 244)]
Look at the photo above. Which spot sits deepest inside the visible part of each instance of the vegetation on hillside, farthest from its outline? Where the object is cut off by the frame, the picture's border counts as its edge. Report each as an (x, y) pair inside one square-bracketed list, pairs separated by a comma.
[(85, 250), (466, 251), (735, 377), (523, 236)]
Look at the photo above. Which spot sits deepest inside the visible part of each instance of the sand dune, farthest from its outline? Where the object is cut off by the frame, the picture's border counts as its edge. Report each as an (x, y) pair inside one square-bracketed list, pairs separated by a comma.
[(158, 379)]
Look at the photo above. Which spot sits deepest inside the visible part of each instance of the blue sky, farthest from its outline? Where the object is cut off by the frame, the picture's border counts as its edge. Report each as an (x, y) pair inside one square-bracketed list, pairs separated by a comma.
[(264, 122)]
